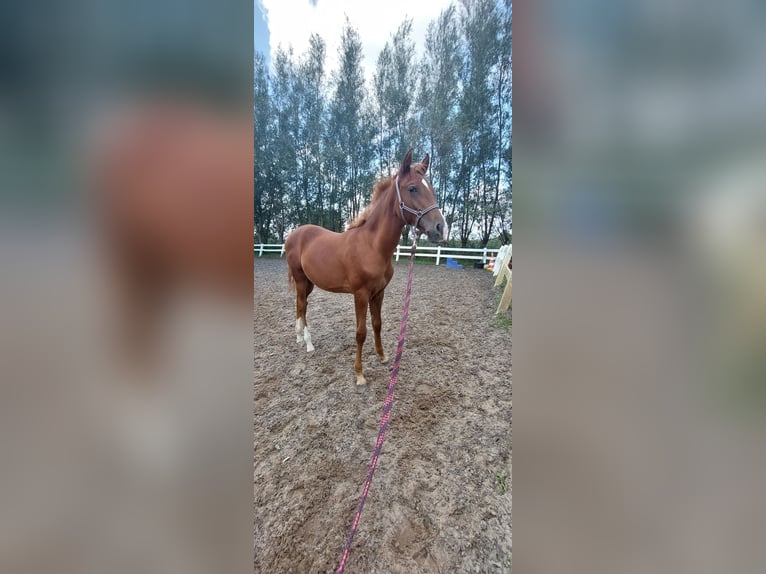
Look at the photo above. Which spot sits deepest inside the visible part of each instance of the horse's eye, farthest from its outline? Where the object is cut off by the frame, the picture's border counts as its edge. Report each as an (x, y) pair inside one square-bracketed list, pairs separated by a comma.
[(413, 189)]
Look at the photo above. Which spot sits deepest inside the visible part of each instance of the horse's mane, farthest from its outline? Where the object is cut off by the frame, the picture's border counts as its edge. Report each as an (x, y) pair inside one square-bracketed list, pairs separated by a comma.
[(377, 192)]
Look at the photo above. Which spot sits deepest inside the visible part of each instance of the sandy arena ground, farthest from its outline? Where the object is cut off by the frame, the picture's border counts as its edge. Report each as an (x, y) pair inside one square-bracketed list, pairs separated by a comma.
[(441, 497)]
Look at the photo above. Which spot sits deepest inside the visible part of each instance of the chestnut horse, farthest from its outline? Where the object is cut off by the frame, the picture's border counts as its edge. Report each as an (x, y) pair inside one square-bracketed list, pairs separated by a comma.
[(358, 260)]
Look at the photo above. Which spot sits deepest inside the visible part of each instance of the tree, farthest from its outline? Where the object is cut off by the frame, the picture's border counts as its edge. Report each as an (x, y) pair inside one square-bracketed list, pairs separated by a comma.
[(349, 134), (476, 194), (310, 129), (284, 150), (394, 92), (264, 174), (504, 87), (496, 203), (438, 98)]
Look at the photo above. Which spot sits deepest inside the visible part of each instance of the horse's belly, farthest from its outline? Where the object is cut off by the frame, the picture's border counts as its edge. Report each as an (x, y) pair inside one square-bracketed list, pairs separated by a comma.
[(326, 274)]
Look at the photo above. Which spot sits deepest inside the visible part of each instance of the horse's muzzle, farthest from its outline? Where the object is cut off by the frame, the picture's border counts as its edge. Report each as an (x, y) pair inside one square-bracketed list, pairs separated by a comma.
[(434, 236), (438, 233)]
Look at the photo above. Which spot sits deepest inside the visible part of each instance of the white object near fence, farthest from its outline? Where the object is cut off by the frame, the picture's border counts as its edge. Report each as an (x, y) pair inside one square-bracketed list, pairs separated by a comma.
[(502, 257), (503, 271)]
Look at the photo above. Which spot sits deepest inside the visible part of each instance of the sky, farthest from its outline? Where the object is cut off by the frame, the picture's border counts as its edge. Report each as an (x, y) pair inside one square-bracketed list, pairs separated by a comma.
[(260, 29), (291, 22)]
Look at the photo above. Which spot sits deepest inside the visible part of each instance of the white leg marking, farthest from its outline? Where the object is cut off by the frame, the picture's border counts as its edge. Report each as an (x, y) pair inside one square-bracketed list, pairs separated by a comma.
[(307, 336), (298, 331)]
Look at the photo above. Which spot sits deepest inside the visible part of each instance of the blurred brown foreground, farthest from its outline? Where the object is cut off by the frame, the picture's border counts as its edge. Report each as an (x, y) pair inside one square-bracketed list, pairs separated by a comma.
[(125, 288), (125, 410)]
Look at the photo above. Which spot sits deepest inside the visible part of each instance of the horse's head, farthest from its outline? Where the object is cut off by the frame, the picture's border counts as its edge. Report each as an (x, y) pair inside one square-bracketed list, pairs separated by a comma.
[(417, 201)]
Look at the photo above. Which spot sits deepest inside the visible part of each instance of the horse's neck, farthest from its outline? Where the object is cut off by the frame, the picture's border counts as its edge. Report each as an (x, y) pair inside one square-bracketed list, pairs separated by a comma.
[(384, 223)]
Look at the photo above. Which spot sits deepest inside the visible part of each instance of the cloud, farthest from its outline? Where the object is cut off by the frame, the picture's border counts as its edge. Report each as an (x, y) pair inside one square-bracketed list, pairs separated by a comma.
[(292, 23)]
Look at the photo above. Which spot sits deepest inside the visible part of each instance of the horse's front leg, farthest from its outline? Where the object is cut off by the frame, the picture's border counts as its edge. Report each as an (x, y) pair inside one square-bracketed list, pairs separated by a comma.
[(361, 300), (376, 304)]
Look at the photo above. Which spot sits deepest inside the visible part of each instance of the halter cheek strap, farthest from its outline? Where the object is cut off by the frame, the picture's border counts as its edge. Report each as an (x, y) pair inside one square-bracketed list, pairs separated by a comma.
[(418, 214)]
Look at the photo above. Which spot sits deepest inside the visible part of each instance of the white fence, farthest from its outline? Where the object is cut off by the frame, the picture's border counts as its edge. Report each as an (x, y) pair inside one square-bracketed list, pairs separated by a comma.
[(437, 252), (262, 248)]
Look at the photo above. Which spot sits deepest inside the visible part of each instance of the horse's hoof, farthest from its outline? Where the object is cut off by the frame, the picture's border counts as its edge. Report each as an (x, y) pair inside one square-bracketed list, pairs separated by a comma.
[(299, 339), (360, 380), (309, 348), (384, 359)]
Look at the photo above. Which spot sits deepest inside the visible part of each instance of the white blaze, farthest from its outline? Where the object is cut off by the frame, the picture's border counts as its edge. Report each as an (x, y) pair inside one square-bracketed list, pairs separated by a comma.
[(425, 183)]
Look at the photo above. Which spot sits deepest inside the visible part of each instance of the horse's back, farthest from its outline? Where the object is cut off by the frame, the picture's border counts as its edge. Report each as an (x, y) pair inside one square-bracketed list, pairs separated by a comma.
[(304, 237)]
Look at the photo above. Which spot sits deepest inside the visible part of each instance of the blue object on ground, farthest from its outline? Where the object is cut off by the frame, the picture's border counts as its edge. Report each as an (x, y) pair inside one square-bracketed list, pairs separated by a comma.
[(452, 264)]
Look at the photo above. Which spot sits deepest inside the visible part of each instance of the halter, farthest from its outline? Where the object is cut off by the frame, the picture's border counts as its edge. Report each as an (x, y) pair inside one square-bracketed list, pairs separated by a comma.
[(418, 214)]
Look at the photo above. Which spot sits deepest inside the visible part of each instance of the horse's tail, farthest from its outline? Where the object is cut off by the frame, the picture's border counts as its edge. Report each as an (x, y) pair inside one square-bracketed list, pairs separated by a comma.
[(289, 246)]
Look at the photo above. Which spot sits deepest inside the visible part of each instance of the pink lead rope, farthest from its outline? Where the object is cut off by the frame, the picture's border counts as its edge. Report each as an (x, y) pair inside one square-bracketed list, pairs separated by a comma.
[(386, 410)]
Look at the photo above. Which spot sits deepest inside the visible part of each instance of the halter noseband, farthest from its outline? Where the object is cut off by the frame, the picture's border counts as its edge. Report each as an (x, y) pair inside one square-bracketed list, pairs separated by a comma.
[(418, 214)]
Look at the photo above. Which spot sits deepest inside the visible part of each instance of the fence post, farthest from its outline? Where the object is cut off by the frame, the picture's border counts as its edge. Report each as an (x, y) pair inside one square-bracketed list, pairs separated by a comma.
[(397, 252), (260, 251), (282, 251), (438, 253), (484, 256)]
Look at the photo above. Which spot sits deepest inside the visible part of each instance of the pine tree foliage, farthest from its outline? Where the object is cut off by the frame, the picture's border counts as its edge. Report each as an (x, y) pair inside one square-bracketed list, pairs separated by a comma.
[(323, 137)]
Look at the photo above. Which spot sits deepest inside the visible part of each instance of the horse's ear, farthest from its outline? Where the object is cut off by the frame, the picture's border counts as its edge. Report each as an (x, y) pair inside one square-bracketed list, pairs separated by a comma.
[(425, 162), (406, 163)]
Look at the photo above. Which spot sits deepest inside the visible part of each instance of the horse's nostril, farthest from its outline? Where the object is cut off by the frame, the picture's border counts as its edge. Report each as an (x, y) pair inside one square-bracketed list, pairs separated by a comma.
[(439, 227)]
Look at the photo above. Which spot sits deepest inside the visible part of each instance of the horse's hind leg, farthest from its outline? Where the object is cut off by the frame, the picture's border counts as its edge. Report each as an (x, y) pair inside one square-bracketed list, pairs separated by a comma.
[(300, 303), (306, 334), (376, 304), (303, 288)]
